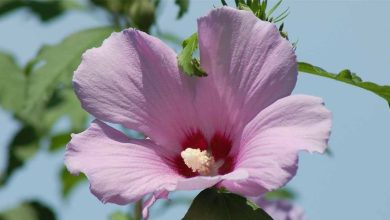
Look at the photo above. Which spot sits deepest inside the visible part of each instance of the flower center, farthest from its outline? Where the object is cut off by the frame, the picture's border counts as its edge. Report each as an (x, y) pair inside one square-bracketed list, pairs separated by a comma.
[(198, 160), (200, 156)]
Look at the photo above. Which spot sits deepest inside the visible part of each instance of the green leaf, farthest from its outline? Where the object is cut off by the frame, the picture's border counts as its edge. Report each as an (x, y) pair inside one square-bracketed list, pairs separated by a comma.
[(58, 63), (118, 215), (188, 64), (329, 152), (259, 9), (69, 182), (280, 194), (45, 10), (24, 146), (68, 105), (12, 84), (348, 77), (29, 210), (239, 1), (244, 7), (269, 13), (58, 141), (183, 7), (45, 93), (213, 205)]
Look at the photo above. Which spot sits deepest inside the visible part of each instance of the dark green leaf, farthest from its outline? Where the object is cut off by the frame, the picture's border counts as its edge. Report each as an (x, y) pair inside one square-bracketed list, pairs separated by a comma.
[(280, 194), (239, 1), (12, 84), (329, 152), (30, 210), (45, 10), (213, 205), (58, 141), (186, 62), (183, 7), (23, 147), (69, 181), (347, 76)]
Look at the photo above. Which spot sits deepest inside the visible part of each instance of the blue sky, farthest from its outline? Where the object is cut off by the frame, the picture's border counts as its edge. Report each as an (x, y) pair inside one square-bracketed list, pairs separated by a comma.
[(352, 184)]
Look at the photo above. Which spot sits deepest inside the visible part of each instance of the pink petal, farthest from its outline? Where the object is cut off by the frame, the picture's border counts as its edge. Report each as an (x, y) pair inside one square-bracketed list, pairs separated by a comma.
[(281, 209), (249, 64), (271, 141), (133, 80), (194, 183), (203, 182), (163, 194), (119, 170)]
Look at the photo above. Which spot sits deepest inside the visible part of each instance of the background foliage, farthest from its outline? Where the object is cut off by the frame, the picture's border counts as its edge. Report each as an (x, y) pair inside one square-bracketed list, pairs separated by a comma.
[(39, 94)]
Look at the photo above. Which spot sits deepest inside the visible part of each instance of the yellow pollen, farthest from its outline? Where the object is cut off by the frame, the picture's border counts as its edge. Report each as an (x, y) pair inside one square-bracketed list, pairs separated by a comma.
[(199, 161)]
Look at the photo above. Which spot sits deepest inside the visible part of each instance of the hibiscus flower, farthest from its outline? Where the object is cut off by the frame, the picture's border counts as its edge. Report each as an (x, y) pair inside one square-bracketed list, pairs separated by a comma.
[(238, 128)]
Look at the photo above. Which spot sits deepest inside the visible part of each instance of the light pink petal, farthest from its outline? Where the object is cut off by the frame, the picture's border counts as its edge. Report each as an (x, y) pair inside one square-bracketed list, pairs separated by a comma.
[(271, 141), (203, 182), (249, 64), (119, 170), (133, 80), (163, 194), (194, 183)]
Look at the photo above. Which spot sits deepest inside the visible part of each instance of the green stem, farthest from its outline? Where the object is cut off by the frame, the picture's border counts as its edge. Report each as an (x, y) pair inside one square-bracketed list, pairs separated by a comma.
[(138, 210)]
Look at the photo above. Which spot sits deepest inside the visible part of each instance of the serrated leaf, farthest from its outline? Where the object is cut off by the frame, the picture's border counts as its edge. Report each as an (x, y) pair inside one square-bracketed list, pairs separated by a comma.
[(69, 182), (183, 7), (213, 205), (186, 62), (348, 77), (24, 146), (29, 210), (12, 84)]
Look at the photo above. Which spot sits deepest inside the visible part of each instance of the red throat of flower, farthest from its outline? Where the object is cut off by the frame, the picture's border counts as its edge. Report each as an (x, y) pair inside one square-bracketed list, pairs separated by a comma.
[(202, 157)]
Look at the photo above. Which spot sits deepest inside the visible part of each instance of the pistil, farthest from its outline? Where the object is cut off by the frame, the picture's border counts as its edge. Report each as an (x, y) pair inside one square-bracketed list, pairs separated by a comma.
[(198, 160)]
